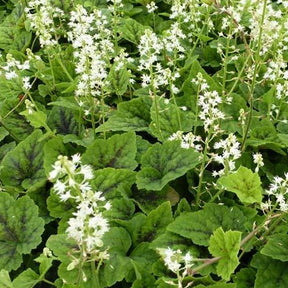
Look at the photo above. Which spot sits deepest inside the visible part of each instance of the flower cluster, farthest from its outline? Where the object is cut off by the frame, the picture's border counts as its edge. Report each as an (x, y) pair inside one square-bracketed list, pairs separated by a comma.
[(177, 263), (16, 71), (41, 14), (277, 194), (188, 140), (230, 152), (88, 225), (258, 160), (91, 40), (208, 102), (151, 47)]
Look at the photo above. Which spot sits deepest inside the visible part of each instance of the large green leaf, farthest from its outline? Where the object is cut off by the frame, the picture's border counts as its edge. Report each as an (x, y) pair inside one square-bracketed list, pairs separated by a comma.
[(131, 30), (52, 149), (62, 120), (277, 247), (12, 32), (163, 163), (156, 222), (111, 181), (64, 247), (119, 151), (270, 273), (19, 128), (20, 229), (118, 265), (168, 119), (225, 245), (245, 183), (133, 115), (23, 166), (199, 226)]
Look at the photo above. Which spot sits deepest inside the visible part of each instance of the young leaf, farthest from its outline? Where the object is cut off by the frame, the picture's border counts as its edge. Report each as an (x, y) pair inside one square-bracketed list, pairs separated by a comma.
[(23, 166), (245, 183), (270, 273), (133, 115), (199, 226), (5, 280), (119, 151), (37, 119), (276, 247), (26, 279), (225, 245), (163, 163), (20, 229)]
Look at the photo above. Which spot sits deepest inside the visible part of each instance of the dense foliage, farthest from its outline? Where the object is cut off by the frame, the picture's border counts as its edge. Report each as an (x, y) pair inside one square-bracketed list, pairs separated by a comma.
[(143, 143)]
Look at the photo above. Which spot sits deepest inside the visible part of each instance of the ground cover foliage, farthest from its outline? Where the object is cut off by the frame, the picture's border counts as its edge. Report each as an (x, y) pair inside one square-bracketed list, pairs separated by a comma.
[(143, 143)]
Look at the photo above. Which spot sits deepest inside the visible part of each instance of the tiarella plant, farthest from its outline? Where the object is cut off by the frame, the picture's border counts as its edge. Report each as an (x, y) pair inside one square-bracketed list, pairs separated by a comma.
[(143, 143)]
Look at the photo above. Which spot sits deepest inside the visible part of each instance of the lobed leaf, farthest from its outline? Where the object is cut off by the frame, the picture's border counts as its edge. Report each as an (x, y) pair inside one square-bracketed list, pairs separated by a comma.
[(225, 245), (163, 163), (133, 115), (276, 247), (20, 229), (199, 226), (119, 151), (245, 183)]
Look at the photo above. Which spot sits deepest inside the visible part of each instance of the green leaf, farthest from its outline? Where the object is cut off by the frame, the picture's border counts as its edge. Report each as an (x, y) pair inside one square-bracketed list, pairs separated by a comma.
[(134, 226), (119, 151), (149, 200), (245, 278), (225, 245), (5, 280), (45, 264), (168, 119), (64, 247), (19, 128), (163, 163), (219, 285), (3, 133), (118, 240), (276, 247), (25, 162), (156, 222), (26, 279), (245, 183), (62, 120), (111, 181), (175, 242), (20, 229), (52, 149), (131, 30), (270, 273), (121, 209), (12, 32), (37, 119), (119, 78), (133, 115), (199, 226)]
